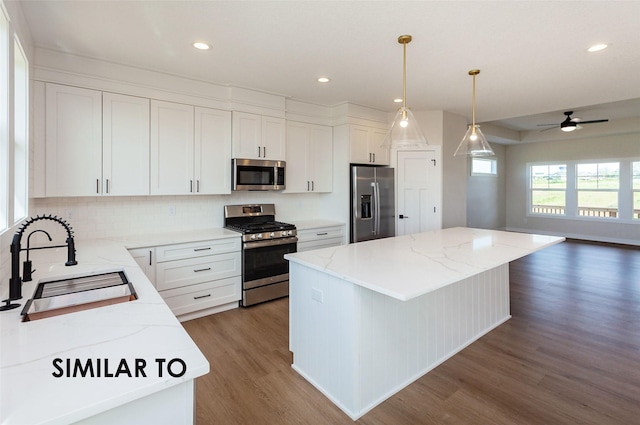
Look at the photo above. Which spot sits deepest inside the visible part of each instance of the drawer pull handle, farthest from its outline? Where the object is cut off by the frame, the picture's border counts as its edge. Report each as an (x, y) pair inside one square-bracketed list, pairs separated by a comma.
[(202, 270), (201, 296), (202, 249), (322, 234)]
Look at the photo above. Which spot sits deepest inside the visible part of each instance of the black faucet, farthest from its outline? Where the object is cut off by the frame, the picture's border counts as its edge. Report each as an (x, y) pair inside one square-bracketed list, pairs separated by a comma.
[(15, 283)]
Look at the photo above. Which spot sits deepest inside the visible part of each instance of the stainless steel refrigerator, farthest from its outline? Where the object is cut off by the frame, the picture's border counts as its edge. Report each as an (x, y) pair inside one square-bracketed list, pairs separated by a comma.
[(372, 203)]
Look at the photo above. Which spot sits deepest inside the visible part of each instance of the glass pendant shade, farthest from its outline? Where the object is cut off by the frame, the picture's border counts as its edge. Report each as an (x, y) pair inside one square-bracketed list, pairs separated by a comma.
[(474, 143), (404, 132)]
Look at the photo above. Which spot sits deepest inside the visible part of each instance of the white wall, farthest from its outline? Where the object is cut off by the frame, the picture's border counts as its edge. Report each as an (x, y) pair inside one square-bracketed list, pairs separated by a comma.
[(486, 198), (593, 148)]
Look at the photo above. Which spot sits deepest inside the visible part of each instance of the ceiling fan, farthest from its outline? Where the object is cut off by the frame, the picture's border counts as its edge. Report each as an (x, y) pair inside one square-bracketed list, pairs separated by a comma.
[(570, 124)]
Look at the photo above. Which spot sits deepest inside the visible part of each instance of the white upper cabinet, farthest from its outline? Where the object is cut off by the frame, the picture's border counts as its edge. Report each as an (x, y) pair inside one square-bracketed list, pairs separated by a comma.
[(366, 145), (125, 145), (258, 137), (212, 151), (190, 149), (309, 158), (73, 141), (171, 148)]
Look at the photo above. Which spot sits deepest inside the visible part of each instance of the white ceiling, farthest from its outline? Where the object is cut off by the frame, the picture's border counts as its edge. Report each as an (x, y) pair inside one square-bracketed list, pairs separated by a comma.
[(532, 54)]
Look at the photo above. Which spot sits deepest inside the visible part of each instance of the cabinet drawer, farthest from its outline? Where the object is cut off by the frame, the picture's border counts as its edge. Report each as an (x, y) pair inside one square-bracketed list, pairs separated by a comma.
[(179, 273), (317, 244), (320, 233), (196, 249), (203, 295)]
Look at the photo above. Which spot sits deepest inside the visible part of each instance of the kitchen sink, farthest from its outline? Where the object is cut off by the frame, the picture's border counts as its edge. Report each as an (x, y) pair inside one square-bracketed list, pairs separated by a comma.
[(68, 295)]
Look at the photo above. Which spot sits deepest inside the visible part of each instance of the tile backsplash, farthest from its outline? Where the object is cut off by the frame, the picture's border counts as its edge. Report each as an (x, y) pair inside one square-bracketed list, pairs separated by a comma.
[(100, 217), (108, 217)]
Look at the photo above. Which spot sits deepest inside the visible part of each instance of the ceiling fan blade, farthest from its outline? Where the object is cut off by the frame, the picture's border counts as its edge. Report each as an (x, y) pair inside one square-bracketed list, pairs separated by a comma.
[(592, 121), (550, 128), (545, 125)]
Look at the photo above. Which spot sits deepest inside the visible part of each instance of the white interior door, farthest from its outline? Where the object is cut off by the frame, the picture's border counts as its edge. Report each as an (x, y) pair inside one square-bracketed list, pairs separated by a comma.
[(418, 201)]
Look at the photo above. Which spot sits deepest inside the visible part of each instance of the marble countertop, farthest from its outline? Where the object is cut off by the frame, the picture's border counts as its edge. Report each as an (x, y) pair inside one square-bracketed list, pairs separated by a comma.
[(157, 239), (315, 223), (405, 267), (141, 329)]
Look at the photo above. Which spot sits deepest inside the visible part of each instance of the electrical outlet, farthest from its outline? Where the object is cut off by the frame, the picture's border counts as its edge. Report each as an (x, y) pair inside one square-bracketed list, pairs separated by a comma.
[(172, 211), (316, 294)]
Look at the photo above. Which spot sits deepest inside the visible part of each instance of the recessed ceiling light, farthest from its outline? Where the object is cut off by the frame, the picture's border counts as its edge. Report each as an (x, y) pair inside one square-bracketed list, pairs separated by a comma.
[(323, 80), (201, 46), (597, 47), (397, 100)]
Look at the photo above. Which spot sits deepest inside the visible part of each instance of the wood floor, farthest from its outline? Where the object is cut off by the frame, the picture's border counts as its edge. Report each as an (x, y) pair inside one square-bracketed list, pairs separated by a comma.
[(569, 355)]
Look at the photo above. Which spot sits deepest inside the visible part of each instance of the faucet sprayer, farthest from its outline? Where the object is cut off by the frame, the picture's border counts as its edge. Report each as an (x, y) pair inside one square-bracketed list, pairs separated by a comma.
[(15, 283)]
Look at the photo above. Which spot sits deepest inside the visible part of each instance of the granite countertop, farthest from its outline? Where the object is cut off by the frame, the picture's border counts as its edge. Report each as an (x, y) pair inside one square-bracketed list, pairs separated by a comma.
[(405, 267), (142, 329)]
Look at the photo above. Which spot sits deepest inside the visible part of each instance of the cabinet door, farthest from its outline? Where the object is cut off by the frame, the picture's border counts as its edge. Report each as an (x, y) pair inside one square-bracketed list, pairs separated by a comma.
[(145, 259), (212, 158), (125, 145), (73, 141), (380, 154), (273, 138), (320, 159), (171, 148), (247, 135), (298, 141), (359, 145)]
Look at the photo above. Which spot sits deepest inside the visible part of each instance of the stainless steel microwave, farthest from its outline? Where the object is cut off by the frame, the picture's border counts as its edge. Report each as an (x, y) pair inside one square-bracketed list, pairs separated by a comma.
[(257, 174)]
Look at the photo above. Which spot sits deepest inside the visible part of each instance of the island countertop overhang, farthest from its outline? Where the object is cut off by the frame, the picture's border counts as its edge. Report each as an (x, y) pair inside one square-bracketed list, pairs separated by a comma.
[(406, 267)]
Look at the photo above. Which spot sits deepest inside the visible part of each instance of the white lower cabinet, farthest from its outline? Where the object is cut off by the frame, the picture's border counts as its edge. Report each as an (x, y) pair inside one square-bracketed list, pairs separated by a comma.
[(197, 278), (145, 257), (320, 237)]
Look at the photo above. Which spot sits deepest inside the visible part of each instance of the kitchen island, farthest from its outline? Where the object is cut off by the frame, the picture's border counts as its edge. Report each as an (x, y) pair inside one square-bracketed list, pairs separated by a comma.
[(143, 363), (367, 319)]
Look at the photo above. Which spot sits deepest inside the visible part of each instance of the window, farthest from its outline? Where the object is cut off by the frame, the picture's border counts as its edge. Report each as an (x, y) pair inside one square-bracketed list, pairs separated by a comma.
[(20, 133), (548, 185), (598, 186), (483, 166), (14, 126), (4, 121), (635, 173), (607, 190)]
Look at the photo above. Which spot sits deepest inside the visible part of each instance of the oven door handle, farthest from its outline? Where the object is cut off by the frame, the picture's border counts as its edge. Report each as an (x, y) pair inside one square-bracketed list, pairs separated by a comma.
[(270, 242)]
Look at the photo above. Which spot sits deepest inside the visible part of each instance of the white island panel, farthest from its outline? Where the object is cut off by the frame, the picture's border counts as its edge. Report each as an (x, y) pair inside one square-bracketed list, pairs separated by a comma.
[(359, 347), (367, 319)]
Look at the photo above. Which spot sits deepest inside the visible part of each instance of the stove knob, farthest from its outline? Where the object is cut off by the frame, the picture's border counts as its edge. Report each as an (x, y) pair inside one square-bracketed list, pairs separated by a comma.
[(272, 234), (253, 237), (289, 232), (259, 235)]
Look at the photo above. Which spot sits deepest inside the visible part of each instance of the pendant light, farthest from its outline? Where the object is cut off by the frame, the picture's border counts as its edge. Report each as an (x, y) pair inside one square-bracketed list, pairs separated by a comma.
[(474, 143), (405, 131)]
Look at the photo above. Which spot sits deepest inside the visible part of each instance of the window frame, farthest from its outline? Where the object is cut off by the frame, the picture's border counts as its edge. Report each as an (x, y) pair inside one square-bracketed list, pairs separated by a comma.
[(531, 189), (6, 164), (493, 165), (625, 191)]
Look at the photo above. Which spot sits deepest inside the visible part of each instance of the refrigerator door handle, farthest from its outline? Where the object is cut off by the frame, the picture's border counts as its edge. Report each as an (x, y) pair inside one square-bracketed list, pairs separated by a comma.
[(376, 207)]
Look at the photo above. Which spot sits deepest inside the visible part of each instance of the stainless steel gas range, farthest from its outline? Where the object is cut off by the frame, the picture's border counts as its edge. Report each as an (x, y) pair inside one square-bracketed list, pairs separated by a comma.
[(265, 272)]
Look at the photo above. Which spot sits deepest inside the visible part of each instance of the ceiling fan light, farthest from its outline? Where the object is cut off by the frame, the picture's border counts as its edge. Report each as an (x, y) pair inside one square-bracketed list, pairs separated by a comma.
[(568, 128)]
